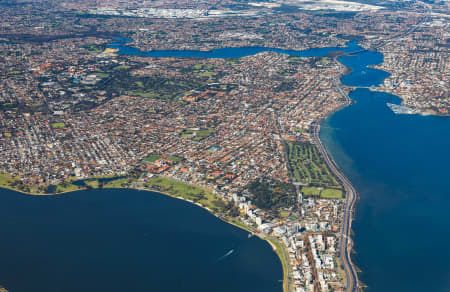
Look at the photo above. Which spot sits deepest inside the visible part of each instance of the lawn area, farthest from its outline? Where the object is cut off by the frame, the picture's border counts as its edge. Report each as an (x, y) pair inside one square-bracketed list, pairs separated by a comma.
[(103, 176), (117, 183), (202, 134), (325, 193), (92, 183), (233, 61), (147, 94), (6, 180), (331, 194), (240, 225), (294, 59), (171, 187), (308, 166), (175, 158), (67, 186), (208, 74), (300, 130), (204, 70), (94, 48), (58, 125), (310, 191), (102, 74), (152, 158), (9, 182), (202, 67), (197, 135), (284, 214), (187, 134), (179, 189), (122, 67), (14, 73)]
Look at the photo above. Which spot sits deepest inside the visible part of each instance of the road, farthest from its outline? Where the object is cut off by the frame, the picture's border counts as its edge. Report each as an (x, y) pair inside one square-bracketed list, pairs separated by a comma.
[(346, 243)]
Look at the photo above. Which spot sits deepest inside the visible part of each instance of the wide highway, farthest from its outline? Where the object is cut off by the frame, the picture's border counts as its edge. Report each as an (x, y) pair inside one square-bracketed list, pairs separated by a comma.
[(346, 244)]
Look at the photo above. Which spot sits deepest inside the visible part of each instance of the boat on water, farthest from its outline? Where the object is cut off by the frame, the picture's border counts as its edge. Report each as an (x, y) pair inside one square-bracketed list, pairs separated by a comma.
[(225, 255)]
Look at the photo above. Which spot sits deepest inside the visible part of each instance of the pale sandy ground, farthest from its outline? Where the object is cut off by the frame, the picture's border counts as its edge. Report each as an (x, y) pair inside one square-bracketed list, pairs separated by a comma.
[(321, 5), (265, 4)]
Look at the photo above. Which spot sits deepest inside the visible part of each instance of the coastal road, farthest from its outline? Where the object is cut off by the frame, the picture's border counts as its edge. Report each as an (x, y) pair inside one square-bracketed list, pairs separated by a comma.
[(345, 244)]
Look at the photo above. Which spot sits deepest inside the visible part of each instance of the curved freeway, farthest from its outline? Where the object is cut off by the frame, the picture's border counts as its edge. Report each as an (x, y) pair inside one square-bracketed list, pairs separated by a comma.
[(345, 244)]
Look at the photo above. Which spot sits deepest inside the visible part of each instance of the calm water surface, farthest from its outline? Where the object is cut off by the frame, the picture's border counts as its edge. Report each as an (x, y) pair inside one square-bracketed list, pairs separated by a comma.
[(400, 167), (126, 240), (229, 52)]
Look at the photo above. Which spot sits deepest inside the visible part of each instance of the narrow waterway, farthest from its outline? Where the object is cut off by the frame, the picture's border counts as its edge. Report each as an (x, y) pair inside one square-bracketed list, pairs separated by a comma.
[(223, 53)]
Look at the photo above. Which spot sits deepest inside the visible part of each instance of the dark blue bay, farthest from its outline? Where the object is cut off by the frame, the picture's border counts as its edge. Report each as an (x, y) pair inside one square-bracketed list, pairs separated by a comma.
[(126, 240)]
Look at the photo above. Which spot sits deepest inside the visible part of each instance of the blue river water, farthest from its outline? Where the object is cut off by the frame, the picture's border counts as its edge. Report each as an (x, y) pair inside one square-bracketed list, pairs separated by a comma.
[(399, 165), (126, 240), (229, 52)]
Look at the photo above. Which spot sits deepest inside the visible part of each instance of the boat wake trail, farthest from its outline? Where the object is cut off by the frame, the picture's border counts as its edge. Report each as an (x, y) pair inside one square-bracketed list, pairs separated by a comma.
[(225, 255)]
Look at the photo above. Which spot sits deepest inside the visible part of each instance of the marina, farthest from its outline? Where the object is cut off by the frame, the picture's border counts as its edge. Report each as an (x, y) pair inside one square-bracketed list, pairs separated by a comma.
[(400, 109)]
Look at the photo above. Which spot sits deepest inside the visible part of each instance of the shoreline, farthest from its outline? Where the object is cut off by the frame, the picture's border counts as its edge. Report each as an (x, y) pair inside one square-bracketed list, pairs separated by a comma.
[(346, 245), (423, 112), (417, 111)]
